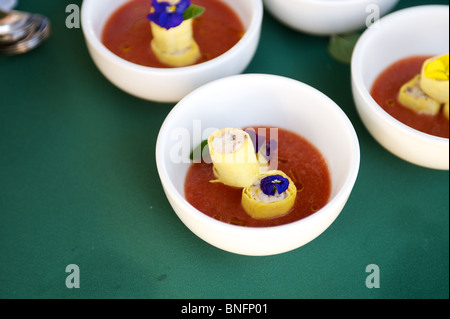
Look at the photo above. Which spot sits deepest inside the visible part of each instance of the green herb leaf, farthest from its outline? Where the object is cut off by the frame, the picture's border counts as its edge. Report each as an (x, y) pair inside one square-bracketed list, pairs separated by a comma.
[(193, 11), (198, 150), (341, 46)]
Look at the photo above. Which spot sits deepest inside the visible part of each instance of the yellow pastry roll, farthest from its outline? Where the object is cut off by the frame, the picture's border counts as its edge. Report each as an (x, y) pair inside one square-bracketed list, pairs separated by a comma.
[(176, 46), (233, 156), (434, 78), (271, 195), (413, 97)]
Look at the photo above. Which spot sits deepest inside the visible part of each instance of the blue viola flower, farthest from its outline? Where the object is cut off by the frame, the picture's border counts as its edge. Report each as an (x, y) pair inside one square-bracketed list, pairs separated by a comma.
[(273, 183), (266, 151), (257, 140), (168, 15), (260, 145)]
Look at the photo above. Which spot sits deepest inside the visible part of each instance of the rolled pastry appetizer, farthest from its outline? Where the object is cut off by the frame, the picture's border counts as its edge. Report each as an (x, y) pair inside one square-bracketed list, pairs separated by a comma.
[(413, 97), (233, 157), (176, 46), (173, 36), (434, 78), (271, 195)]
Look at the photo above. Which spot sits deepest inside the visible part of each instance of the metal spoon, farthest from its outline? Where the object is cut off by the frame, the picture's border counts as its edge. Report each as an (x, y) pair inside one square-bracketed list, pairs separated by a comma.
[(15, 25), (21, 32)]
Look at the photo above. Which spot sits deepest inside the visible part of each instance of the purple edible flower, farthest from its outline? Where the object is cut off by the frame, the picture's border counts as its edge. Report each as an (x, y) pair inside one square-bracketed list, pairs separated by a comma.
[(260, 145), (168, 15), (273, 183), (271, 145)]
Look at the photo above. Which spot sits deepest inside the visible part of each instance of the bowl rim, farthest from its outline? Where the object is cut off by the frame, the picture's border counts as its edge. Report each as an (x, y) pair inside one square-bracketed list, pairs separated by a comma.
[(357, 78), (340, 197), (252, 30)]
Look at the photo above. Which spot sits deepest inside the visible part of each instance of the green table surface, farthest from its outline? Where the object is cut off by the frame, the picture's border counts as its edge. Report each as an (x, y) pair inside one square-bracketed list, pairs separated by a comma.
[(79, 185)]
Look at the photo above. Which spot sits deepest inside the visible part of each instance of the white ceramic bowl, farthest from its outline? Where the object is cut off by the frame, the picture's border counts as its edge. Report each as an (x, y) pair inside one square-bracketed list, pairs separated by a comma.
[(422, 30), (325, 17), (256, 99), (7, 5), (168, 85)]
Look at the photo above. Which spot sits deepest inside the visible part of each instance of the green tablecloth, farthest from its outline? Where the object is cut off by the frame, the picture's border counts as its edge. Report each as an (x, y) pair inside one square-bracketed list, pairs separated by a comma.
[(79, 185)]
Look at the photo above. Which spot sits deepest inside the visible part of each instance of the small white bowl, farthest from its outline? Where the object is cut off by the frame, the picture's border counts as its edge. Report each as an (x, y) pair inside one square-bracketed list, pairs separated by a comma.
[(257, 99), (325, 17), (7, 5), (422, 30), (168, 85)]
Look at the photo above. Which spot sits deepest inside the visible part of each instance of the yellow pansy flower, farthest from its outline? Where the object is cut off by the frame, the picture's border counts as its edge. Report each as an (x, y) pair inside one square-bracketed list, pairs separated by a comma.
[(438, 69)]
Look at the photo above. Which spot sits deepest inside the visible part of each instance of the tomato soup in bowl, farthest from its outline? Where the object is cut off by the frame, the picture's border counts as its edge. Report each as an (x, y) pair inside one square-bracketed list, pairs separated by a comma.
[(170, 84), (421, 31), (293, 154), (386, 89), (128, 35), (305, 118)]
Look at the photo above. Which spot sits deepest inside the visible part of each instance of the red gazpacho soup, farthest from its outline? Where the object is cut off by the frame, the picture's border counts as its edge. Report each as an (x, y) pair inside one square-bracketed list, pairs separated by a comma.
[(297, 158), (127, 32), (385, 92)]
